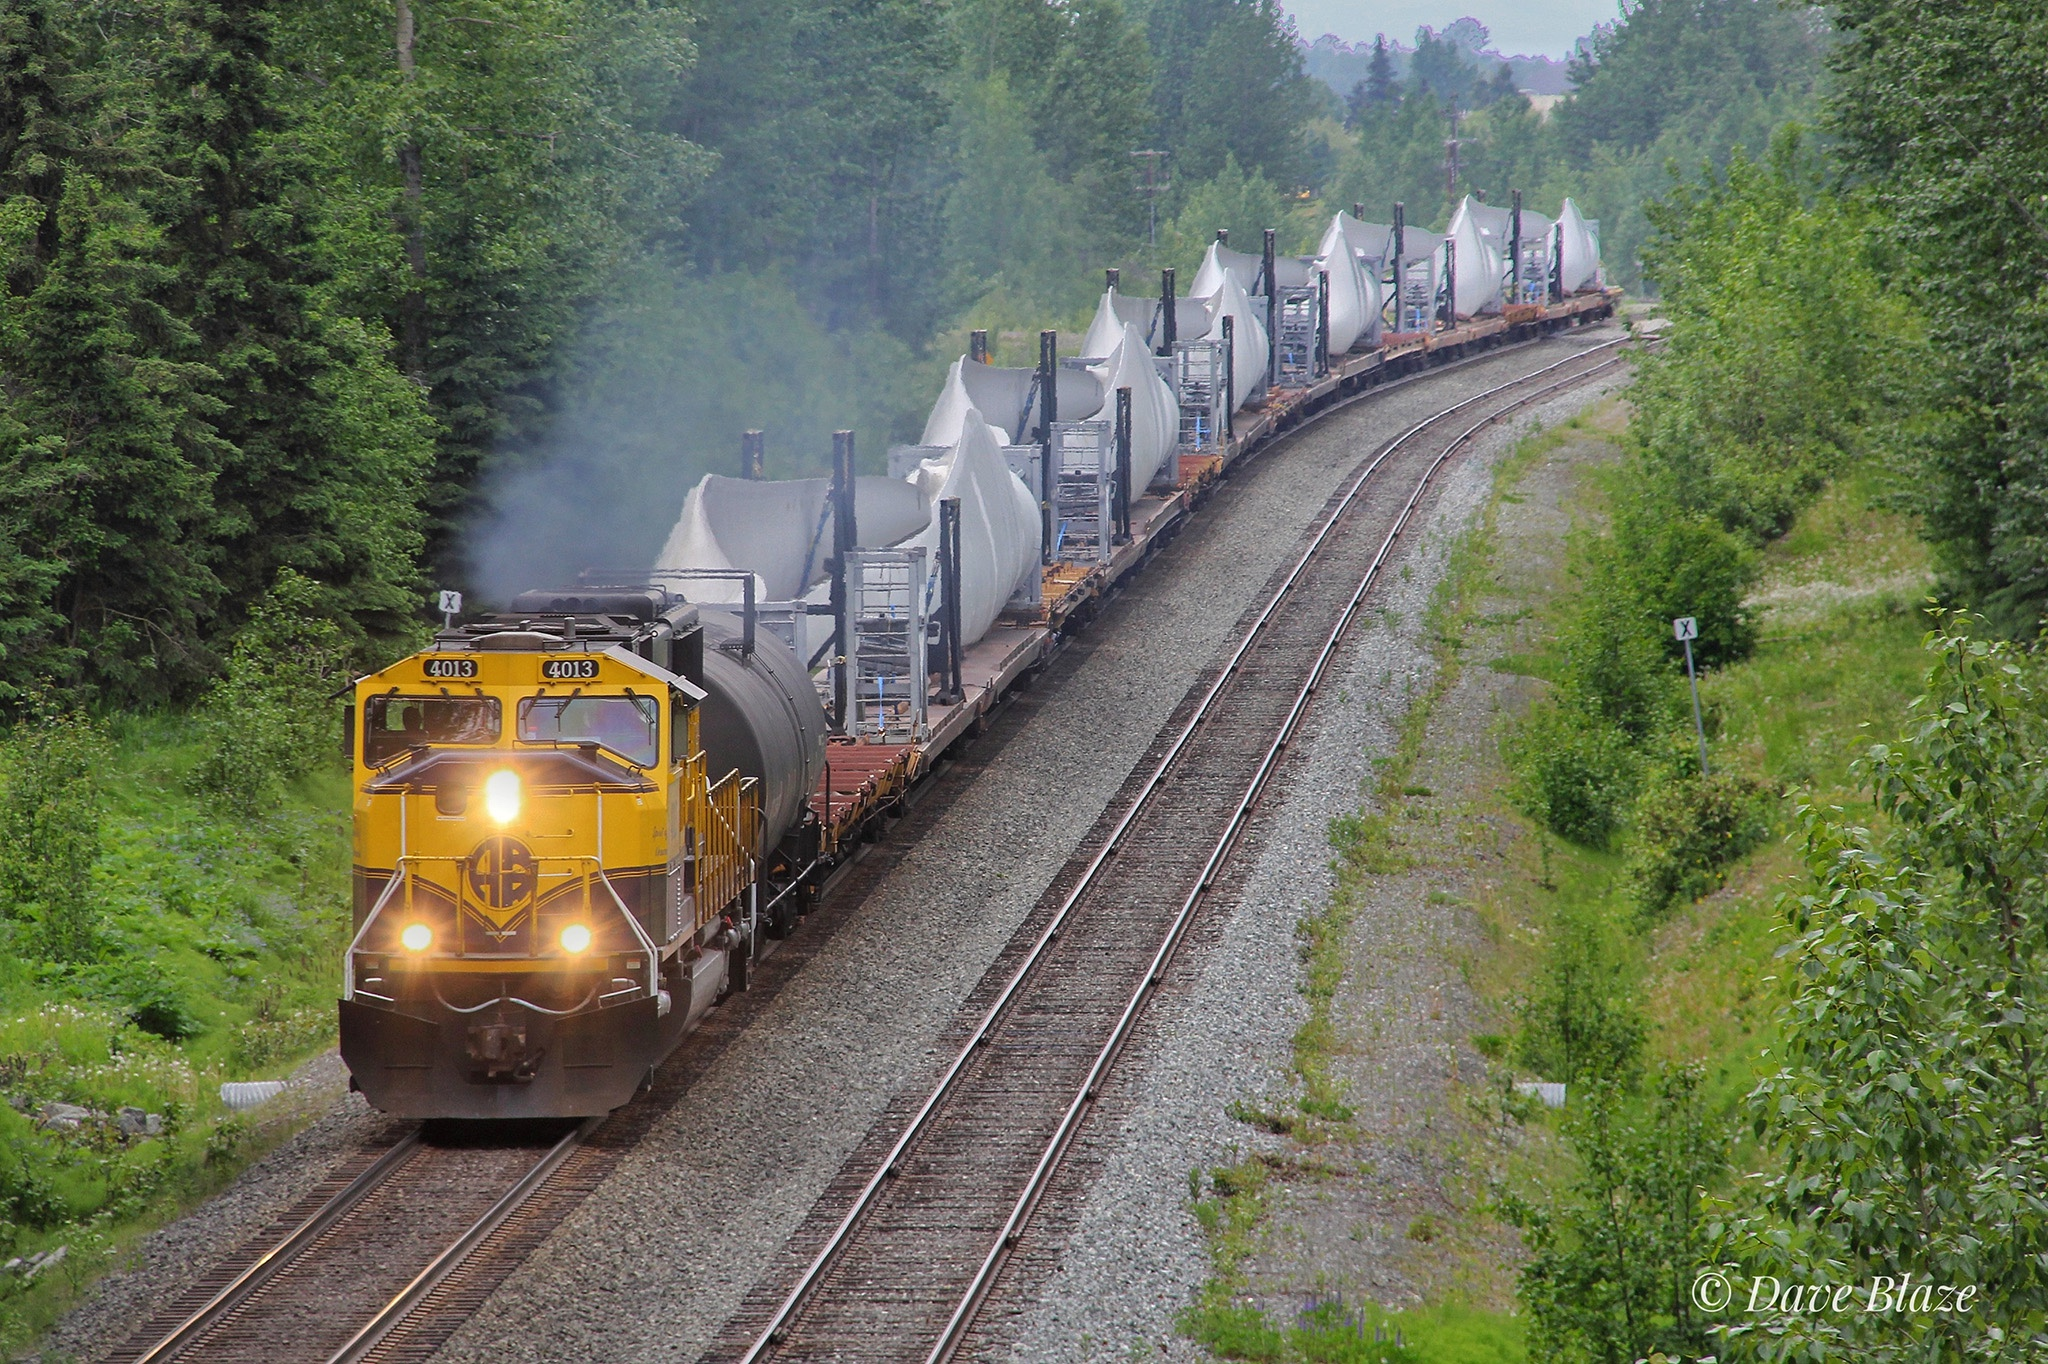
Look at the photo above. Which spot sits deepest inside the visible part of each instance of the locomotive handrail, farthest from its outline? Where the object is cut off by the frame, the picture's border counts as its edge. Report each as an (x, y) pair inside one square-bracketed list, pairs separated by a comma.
[(727, 843)]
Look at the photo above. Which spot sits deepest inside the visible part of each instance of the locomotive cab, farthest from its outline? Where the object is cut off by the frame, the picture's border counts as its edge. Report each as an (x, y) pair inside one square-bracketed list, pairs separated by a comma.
[(550, 885)]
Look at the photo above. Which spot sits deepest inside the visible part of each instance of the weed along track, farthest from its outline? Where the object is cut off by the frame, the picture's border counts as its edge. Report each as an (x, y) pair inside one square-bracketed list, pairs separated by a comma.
[(920, 1242)]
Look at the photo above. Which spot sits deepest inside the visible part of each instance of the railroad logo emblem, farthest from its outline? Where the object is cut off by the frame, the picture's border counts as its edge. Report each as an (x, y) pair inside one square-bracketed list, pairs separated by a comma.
[(502, 873)]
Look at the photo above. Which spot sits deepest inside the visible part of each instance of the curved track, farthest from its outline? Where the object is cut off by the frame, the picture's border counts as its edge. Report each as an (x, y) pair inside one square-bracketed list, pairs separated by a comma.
[(404, 1241), (384, 1238), (908, 1266)]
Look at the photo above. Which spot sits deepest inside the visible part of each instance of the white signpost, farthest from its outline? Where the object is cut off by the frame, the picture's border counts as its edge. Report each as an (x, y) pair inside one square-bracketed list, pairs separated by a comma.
[(451, 607), (1686, 629)]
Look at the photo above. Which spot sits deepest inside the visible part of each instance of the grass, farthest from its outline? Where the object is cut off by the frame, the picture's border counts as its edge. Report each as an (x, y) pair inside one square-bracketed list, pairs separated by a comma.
[(1838, 658), (221, 930), (1234, 1206)]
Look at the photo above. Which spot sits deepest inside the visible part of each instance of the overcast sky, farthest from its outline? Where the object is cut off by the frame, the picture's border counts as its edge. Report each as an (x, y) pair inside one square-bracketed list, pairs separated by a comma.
[(1530, 26)]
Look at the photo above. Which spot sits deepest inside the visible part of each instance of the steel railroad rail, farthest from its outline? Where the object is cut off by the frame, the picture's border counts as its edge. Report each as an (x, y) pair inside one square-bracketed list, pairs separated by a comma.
[(323, 1289), (907, 1268)]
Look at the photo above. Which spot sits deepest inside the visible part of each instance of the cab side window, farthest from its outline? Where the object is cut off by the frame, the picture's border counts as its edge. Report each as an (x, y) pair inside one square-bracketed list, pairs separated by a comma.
[(678, 730)]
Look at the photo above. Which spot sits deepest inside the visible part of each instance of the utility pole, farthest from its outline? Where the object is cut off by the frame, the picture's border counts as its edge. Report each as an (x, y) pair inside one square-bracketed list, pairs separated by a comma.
[(1451, 145), (1155, 185)]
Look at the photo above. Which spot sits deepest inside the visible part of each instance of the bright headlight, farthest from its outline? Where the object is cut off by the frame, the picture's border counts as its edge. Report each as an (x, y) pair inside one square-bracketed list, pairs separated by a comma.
[(417, 937), (501, 796), (575, 939)]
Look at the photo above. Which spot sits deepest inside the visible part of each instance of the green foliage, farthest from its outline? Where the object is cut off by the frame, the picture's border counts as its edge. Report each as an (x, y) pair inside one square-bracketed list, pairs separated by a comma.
[(28, 1196), (1242, 203), (1656, 562), (1009, 222), (1579, 1024), (52, 810), (1228, 84), (1574, 773), (1940, 109), (824, 117), (272, 718), (1678, 82), (1399, 157), (105, 445), (1669, 82), (1669, 59), (218, 929), (1907, 1109), (154, 1002), (184, 412), (1579, 759), (324, 448), (1081, 81), (484, 168), (1612, 1259), (1773, 292), (1687, 831)]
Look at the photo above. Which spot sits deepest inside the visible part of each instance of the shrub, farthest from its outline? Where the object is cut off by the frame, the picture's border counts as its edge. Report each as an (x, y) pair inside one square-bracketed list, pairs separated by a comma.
[(1573, 773), (156, 1005), (28, 1196), (1580, 1026), (272, 718), (1687, 832), (1612, 1256), (50, 818), (275, 1035)]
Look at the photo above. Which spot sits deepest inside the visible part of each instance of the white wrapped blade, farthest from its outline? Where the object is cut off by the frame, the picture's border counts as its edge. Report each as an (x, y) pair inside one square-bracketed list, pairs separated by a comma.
[(943, 426), (999, 526), (1247, 270), (1579, 261), (1155, 416), (1218, 261), (1478, 268), (1354, 314), (1106, 332), (1372, 243), (781, 532), (1248, 336), (1007, 401)]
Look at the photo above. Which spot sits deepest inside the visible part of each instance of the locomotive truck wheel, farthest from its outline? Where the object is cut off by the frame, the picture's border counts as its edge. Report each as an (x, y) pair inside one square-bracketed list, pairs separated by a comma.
[(739, 966)]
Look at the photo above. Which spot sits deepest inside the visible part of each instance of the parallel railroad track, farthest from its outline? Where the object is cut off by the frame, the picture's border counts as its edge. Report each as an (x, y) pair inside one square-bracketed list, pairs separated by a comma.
[(904, 1273)]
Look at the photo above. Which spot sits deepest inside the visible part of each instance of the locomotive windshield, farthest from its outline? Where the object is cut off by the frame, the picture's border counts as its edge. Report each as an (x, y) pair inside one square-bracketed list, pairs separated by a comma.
[(629, 726), (393, 724)]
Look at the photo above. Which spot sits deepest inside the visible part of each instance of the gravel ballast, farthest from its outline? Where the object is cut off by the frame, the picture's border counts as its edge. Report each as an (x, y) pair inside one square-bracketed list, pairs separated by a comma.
[(1135, 1256), (653, 1263)]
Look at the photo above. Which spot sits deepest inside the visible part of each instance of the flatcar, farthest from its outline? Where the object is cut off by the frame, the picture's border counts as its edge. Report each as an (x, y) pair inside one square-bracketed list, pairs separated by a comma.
[(566, 817)]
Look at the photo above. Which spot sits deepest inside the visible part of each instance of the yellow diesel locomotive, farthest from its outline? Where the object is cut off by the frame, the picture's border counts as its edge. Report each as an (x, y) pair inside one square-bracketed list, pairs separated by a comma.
[(573, 824)]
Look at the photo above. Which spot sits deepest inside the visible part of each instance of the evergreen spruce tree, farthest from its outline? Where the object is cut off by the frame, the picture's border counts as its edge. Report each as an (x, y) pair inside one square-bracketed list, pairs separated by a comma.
[(1377, 90), (1228, 83), (328, 444), (107, 451)]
